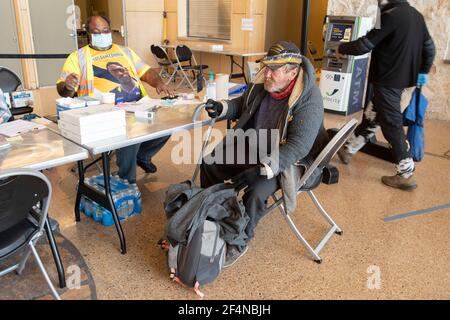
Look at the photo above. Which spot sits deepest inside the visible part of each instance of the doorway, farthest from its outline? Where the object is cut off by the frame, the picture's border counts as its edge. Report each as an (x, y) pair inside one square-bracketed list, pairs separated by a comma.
[(112, 9), (284, 22)]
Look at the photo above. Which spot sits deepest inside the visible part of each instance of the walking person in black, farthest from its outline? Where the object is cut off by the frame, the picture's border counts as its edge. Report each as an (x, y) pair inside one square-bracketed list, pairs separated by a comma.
[(402, 55)]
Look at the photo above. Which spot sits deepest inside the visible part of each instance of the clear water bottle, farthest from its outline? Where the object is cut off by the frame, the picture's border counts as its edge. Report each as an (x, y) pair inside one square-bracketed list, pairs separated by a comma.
[(98, 212), (88, 207), (128, 202), (130, 206), (82, 205), (121, 206), (137, 199), (211, 91)]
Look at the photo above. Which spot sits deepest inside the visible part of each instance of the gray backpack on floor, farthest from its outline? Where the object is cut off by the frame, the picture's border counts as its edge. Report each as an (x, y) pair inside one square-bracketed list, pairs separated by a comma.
[(199, 261), (201, 222)]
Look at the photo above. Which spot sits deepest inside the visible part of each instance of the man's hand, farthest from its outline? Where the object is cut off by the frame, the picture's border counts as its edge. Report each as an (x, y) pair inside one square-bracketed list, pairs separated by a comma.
[(162, 88), (422, 79), (246, 177), (71, 83), (214, 108), (339, 55)]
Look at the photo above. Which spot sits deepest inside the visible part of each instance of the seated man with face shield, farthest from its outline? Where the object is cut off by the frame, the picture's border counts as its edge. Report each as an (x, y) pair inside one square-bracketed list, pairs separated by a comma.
[(283, 113), (103, 66)]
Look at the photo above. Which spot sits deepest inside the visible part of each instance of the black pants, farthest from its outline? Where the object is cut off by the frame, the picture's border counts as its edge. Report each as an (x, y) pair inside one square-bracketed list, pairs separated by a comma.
[(383, 110), (127, 156), (256, 194)]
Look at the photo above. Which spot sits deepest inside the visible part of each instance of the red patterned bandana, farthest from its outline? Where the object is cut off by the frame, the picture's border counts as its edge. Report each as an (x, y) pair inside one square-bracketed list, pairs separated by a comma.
[(286, 92)]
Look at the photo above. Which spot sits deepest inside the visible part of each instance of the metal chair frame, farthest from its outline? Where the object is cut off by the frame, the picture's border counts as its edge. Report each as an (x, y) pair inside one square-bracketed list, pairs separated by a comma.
[(322, 160)]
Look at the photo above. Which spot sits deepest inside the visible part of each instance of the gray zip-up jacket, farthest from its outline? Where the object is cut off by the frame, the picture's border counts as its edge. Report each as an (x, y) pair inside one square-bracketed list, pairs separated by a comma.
[(302, 134)]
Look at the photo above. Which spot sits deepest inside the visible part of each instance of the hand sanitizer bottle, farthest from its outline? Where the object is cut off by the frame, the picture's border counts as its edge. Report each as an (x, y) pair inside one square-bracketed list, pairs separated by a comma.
[(210, 88)]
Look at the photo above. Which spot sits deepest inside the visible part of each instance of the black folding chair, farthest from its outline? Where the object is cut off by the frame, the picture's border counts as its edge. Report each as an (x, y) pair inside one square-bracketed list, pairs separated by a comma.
[(9, 82), (24, 201), (184, 55), (164, 62), (320, 162)]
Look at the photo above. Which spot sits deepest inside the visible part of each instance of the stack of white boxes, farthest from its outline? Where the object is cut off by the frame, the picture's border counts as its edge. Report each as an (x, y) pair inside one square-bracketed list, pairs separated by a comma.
[(94, 123)]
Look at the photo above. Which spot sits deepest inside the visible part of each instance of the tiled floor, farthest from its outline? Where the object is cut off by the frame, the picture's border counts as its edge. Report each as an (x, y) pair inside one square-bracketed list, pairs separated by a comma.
[(412, 254)]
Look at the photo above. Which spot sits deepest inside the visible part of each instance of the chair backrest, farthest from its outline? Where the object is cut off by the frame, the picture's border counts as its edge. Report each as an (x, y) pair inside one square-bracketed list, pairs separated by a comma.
[(9, 80), (20, 190), (183, 53), (159, 52), (330, 149)]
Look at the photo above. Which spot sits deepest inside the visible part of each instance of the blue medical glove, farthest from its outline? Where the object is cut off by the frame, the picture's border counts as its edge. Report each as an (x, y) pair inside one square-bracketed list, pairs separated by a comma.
[(422, 79)]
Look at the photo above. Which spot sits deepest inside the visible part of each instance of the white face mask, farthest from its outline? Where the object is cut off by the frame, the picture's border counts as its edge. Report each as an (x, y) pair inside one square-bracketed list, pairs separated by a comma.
[(102, 40)]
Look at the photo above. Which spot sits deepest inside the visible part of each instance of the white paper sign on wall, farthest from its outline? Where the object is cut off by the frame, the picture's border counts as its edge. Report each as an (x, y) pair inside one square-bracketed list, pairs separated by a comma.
[(247, 25)]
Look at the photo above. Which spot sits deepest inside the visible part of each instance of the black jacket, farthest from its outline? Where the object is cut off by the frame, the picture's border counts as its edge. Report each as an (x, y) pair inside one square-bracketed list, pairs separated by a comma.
[(301, 126), (401, 49)]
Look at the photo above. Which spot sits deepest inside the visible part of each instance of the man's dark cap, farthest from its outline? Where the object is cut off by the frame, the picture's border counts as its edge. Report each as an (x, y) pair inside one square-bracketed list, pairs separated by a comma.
[(281, 53)]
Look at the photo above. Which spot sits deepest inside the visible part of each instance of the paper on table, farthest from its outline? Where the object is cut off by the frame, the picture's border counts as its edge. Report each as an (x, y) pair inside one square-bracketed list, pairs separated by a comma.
[(42, 121), (4, 143), (144, 104), (14, 128), (181, 102)]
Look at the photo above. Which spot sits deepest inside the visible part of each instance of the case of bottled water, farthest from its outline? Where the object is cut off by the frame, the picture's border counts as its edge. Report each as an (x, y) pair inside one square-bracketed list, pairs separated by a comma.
[(126, 197)]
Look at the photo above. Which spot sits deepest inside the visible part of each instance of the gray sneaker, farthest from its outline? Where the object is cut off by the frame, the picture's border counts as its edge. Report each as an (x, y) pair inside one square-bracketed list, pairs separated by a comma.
[(344, 155), (399, 182), (233, 255)]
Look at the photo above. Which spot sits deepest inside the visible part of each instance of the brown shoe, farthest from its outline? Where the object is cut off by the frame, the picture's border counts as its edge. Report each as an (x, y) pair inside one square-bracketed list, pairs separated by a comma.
[(399, 182), (344, 155)]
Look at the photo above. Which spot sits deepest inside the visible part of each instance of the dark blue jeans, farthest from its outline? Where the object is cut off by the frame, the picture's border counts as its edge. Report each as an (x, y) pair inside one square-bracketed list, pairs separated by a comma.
[(127, 157)]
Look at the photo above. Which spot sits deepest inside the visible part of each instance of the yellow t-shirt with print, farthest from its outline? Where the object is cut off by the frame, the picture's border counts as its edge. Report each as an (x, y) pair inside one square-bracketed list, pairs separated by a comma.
[(113, 71)]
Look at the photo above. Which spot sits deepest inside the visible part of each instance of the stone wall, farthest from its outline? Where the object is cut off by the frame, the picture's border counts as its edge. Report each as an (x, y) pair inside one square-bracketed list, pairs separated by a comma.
[(437, 16)]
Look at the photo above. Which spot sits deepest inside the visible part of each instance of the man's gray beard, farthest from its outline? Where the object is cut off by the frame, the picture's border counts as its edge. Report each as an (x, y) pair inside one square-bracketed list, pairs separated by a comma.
[(273, 89)]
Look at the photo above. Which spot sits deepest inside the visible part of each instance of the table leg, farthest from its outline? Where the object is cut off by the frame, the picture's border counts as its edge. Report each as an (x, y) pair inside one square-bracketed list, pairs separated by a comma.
[(56, 255), (106, 173), (79, 190), (243, 70), (241, 66)]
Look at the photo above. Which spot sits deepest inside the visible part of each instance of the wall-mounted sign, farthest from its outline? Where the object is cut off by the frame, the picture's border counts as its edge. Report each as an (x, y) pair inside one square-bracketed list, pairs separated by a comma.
[(247, 25)]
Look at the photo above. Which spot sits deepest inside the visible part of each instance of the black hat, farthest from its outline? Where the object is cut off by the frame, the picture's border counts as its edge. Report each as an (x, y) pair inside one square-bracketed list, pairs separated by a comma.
[(282, 53)]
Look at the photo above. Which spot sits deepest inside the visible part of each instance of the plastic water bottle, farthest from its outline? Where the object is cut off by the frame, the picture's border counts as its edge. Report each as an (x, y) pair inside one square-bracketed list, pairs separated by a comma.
[(107, 219), (211, 92), (98, 212), (88, 207), (137, 199), (82, 205), (130, 206), (121, 206), (128, 202)]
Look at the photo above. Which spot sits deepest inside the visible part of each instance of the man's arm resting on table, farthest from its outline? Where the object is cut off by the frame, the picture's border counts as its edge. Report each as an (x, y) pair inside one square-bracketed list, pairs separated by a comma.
[(153, 79)]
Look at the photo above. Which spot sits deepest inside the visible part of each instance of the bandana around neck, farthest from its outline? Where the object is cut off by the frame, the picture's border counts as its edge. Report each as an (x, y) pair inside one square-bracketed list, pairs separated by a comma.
[(286, 92)]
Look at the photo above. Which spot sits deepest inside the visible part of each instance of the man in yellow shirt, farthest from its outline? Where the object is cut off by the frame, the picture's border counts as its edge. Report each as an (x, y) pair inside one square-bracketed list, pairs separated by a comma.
[(106, 67)]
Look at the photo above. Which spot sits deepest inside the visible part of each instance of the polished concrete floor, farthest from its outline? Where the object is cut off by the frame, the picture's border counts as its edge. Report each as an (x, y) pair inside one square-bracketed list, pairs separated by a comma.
[(409, 256)]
